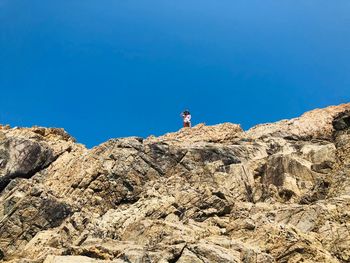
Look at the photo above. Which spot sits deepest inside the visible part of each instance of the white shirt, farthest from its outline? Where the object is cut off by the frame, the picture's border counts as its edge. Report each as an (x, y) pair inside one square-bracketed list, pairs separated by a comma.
[(187, 118)]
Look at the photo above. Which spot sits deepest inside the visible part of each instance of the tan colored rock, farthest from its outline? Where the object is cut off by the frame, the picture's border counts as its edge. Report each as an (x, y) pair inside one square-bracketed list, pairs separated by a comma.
[(315, 124), (201, 133), (76, 259), (276, 193)]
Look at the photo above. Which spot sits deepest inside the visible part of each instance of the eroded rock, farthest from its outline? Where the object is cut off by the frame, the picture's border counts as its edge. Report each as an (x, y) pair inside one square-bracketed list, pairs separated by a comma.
[(276, 193)]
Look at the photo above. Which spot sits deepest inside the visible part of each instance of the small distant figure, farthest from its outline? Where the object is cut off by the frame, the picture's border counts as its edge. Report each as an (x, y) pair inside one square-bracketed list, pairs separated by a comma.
[(186, 116)]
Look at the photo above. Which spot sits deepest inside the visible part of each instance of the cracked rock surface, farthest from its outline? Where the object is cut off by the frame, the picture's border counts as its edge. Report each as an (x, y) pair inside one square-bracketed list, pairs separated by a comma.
[(278, 192)]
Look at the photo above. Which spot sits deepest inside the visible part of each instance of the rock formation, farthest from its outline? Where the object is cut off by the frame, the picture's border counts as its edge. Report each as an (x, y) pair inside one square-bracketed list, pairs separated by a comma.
[(278, 192)]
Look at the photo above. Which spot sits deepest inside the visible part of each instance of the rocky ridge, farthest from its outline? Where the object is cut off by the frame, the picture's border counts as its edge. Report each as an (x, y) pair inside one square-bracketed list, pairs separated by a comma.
[(278, 192)]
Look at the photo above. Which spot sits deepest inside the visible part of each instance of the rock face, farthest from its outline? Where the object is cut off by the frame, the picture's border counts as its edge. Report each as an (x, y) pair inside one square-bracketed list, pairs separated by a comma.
[(276, 193)]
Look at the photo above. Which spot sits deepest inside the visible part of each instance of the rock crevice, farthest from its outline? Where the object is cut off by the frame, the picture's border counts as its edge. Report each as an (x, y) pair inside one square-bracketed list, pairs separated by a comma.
[(278, 192)]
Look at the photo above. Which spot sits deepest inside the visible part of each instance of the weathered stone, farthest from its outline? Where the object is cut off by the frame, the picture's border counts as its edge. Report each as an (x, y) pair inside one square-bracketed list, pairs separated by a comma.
[(342, 121), (276, 193), (76, 259)]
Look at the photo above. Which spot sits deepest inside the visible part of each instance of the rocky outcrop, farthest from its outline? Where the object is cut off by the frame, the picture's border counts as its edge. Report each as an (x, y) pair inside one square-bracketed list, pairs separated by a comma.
[(276, 193)]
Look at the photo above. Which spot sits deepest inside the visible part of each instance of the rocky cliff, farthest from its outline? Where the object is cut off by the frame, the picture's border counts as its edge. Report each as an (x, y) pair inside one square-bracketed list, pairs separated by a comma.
[(278, 192)]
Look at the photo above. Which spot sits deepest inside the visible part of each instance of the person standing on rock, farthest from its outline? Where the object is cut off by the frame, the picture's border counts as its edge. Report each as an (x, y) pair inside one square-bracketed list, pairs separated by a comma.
[(186, 116)]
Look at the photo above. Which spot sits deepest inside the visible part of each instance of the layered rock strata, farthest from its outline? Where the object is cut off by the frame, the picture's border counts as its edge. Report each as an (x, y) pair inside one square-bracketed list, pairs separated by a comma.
[(278, 192)]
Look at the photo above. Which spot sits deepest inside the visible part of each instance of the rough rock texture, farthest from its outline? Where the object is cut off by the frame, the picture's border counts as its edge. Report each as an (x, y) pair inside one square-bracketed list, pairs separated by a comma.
[(277, 193)]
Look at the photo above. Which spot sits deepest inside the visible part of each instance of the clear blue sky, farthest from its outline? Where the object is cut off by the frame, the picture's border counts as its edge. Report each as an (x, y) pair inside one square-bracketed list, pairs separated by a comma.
[(115, 68)]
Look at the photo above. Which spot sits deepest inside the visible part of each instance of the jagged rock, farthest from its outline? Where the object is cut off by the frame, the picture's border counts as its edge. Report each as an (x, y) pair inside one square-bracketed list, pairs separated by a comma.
[(277, 193), (22, 158), (291, 175), (342, 121), (76, 259)]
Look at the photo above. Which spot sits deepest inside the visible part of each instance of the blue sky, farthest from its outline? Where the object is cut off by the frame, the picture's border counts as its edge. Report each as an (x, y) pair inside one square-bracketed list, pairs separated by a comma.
[(116, 68)]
